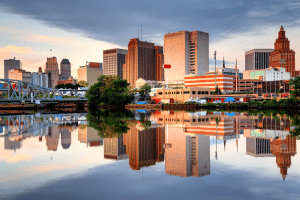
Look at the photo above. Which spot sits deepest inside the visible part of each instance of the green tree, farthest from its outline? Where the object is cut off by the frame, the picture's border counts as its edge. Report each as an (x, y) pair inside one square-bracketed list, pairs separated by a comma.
[(109, 90), (295, 90), (83, 84), (109, 123), (60, 86), (217, 90), (144, 91)]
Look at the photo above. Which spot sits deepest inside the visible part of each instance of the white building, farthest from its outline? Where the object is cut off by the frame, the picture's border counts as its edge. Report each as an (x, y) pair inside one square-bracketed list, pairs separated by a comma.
[(40, 79), (270, 74), (187, 53), (257, 59)]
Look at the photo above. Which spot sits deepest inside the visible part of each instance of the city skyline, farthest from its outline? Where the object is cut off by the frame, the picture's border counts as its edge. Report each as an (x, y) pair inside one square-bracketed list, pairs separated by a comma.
[(29, 35)]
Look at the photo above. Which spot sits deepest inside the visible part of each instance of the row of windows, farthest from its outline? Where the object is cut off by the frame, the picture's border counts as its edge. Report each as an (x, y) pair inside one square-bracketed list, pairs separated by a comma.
[(184, 92), (187, 120)]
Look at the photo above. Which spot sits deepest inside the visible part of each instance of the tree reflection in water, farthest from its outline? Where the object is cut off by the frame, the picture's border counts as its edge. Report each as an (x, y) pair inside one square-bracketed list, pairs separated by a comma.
[(110, 123)]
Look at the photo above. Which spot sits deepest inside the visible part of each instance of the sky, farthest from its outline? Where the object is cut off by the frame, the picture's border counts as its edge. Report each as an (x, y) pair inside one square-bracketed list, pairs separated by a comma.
[(81, 30)]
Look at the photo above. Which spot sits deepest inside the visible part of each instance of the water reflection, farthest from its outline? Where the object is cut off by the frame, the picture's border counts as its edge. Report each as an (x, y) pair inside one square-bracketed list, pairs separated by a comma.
[(182, 140)]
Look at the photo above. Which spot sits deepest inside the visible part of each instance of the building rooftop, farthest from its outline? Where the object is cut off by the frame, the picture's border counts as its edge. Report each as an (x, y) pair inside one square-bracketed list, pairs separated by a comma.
[(65, 61)]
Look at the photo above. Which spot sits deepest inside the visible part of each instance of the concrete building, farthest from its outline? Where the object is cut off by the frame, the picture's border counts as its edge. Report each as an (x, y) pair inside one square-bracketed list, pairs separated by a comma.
[(66, 137), (270, 74), (258, 147), (114, 148), (11, 64), (283, 56), (226, 83), (52, 138), (187, 53), (113, 60), (153, 84), (41, 79), (181, 95), (90, 72), (256, 59), (19, 74), (141, 62), (65, 69), (52, 68)]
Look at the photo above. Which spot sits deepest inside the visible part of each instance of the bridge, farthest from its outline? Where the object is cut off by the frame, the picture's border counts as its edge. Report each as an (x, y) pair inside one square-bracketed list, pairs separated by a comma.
[(13, 125), (19, 91)]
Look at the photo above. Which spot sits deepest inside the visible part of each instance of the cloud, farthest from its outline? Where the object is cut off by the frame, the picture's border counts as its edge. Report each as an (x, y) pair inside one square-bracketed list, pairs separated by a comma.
[(117, 21), (15, 49)]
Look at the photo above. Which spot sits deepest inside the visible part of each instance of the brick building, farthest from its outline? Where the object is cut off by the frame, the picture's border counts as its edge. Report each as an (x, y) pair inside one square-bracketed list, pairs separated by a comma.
[(144, 60), (283, 56)]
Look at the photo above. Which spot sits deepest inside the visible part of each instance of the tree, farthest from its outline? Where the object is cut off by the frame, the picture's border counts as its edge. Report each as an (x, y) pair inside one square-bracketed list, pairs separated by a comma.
[(295, 84), (83, 83), (60, 86), (144, 91), (109, 90), (217, 90)]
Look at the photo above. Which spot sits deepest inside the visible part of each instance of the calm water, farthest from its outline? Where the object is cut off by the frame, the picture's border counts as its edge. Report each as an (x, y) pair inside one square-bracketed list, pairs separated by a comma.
[(148, 155)]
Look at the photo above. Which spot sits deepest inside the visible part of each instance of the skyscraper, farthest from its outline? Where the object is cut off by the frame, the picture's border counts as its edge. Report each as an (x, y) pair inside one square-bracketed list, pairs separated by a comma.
[(11, 64), (65, 69), (52, 67), (140, 62), (187, 53), (113, 60), (257, 59), (283, 56)]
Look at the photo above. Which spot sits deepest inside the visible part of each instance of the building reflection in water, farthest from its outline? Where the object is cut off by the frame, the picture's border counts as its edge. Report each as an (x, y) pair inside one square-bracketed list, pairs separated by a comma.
[(144, 146), (89, 136), (114, 148)]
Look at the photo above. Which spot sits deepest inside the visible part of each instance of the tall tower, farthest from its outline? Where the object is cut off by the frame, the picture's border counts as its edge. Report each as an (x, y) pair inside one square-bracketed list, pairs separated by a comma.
[(140, 62), (52, 68), (11, 64), (283, 56), (187, 53), (65, 69), (113, 60)]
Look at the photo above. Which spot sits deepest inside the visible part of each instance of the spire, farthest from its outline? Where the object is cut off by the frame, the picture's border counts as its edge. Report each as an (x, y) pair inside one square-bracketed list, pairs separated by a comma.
[(223, 63)]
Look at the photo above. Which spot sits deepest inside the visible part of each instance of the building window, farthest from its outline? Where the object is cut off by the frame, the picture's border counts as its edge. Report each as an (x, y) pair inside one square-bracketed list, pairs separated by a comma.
[(177, 93), (193, 92), (206, 92), (186, 92), (166, 93), (160, 93)]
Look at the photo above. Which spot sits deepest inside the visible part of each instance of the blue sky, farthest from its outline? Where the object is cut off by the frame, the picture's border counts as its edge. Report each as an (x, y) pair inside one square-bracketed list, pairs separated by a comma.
[(82, 30)]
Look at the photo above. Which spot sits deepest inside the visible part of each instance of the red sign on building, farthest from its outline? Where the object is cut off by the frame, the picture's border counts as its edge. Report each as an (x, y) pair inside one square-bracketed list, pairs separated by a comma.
[(94, 65), (167, 66)]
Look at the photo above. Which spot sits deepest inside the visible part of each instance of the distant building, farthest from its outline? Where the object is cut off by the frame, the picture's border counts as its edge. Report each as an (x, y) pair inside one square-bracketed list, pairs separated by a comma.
[(283, 56), (187, 53), (65, 69), (270, 74), (89, 136), (153, 84), (40, 79), (52, 67), (181, 95), (52, 138), (90, 72), (66, 137), (141, 62), (19, 74), (113, 60), (11, 144), (257, 59), (11, 64)]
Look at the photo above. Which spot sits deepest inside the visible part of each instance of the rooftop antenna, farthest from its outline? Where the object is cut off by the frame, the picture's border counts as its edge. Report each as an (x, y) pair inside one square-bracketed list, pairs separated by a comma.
[(51, 52), (138, 34), (141, 32)]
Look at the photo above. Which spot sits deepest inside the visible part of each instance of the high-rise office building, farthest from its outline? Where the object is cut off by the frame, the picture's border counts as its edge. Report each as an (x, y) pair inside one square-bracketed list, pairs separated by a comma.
[(65, 69), (283, 56), (187, 53), (52, 67), (66, 137), (113, 60), (141, 61), (11, 64), (258, 147), (257, 59)]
